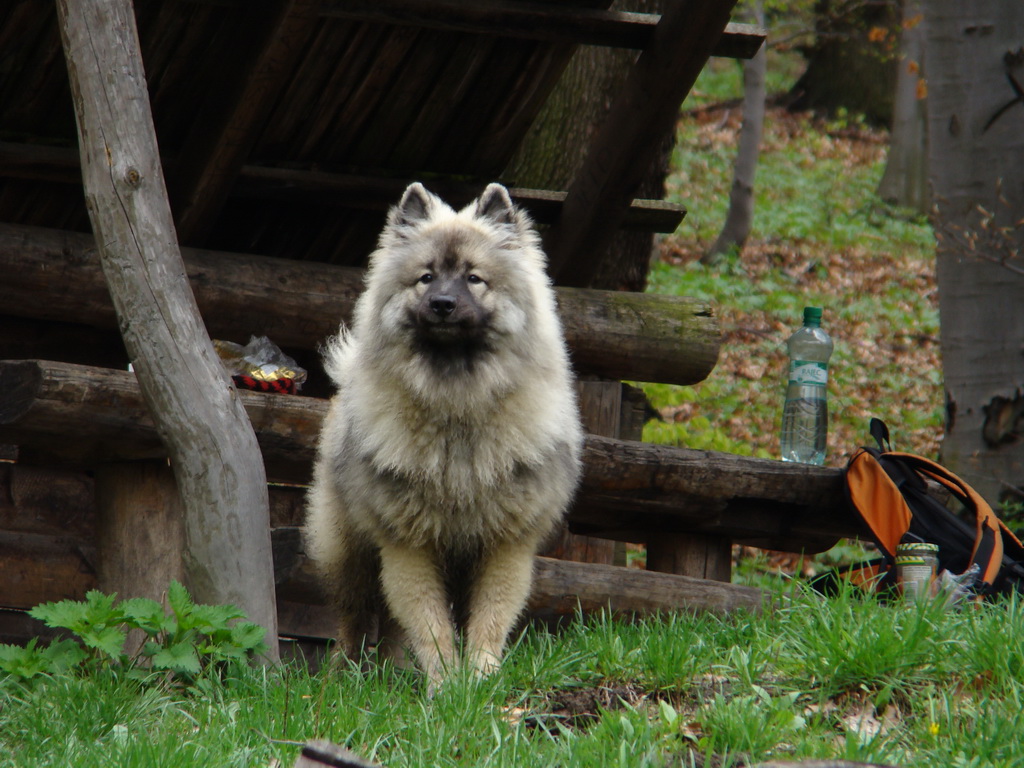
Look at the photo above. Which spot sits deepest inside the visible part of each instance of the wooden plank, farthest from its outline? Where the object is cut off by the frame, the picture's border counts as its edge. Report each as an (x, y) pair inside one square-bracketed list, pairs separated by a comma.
[(424, 71), (52, 275), (346, 76), (268, 41), (465, 59), (220, 477), (371, 93), (629, 490), (60, 164), (534, 21), (626, 144)]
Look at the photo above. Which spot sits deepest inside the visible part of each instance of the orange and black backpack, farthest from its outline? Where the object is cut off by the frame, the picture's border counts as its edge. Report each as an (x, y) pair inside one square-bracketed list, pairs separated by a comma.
[(888, 490)]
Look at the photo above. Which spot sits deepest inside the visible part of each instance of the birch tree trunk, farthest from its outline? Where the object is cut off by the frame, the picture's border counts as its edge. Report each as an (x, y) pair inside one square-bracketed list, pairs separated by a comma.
[(214, 453), (905, 181), (976, 160), (740, 217)]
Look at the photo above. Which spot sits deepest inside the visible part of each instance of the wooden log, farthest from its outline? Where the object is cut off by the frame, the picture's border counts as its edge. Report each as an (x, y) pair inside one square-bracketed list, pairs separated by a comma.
[(622, 150), (221, 479), (629, 489), (36, 569), (56, 276), (82, 415), (560, 588), (760, 502), (48, 501)]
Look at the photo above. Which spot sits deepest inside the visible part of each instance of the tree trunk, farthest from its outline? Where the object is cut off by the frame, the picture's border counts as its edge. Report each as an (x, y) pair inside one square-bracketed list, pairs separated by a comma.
[(740, 218), (905, 181), (852, 64), (976, 160), (211, 443)]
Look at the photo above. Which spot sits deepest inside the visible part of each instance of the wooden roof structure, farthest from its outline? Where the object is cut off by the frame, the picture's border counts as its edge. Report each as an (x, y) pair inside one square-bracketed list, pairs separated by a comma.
[(287, 127)]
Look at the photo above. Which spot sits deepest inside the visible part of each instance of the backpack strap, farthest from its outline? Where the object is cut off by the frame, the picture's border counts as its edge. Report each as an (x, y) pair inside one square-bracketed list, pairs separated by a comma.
[(880, 432), (876, 498), (988, 529)]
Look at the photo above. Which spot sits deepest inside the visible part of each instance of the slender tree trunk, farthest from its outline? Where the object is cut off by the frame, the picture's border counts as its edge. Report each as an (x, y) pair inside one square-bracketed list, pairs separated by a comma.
[(213, 449), (740, 218), (976, 160), (905, 181)]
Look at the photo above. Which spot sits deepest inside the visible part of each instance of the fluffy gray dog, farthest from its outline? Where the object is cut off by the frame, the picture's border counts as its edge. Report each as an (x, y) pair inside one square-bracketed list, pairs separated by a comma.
[(453, 445)]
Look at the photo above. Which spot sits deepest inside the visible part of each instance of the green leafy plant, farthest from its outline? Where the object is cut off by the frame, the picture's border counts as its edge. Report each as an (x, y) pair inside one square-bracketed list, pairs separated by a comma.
[(189, 640)]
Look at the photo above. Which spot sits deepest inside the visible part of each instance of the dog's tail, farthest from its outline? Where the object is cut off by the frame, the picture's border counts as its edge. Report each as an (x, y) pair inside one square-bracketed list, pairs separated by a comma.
[(337, 353)]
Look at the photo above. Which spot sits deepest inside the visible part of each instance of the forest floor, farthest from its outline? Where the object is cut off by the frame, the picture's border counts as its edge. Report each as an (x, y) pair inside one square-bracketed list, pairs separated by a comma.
[(821, 237)]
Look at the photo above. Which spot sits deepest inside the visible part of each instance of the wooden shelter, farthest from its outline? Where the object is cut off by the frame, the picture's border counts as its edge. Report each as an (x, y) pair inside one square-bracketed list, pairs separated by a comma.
[(285, 130)]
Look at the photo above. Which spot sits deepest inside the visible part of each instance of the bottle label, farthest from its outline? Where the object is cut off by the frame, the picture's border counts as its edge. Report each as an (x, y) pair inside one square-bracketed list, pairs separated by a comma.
[(806, 373)]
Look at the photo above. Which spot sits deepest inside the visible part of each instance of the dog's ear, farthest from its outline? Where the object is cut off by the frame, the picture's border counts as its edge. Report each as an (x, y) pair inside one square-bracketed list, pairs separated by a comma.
[(415, 206), (495, 205)]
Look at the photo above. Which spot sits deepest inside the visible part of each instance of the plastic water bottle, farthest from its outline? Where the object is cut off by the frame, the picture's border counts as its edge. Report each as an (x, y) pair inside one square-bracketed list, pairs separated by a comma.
[(805, 414)]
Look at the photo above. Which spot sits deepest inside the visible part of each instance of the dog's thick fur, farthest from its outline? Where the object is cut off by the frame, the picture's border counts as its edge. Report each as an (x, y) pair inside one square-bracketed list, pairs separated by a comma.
[(453, 445)]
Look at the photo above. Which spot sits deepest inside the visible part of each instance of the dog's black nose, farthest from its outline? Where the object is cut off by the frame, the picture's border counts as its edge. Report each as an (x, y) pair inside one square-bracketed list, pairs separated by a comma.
[(442, 306)]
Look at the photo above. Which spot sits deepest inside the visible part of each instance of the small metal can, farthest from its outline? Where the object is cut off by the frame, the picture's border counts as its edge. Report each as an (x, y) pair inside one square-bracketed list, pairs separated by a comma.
[(916, 566)]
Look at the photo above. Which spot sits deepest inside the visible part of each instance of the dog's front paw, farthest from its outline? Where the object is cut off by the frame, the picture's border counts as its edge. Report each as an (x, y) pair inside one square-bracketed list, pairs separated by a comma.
[(483, 663)]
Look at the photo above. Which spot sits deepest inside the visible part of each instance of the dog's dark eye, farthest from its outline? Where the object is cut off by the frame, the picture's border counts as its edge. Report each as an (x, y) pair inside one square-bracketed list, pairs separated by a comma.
[(426, 278), (474, 279)]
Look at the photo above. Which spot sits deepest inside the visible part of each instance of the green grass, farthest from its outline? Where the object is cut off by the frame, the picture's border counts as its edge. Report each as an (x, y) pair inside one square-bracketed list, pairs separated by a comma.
[(849, 678)]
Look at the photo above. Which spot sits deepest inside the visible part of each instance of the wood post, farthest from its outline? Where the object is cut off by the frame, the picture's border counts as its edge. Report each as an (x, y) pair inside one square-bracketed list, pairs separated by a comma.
[(600, 410), (140, 537), (198, 414), (694, 555)]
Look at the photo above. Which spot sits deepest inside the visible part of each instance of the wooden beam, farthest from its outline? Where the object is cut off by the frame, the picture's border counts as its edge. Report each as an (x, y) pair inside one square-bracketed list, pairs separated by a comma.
[(626, 144), (207, 432), (378, 194), (534, 21), (60, 164), (266, 44), (55, 276), (629, 490)]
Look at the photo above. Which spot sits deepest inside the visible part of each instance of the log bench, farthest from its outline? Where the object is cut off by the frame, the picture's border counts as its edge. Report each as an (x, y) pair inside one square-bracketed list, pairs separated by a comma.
[(88, 427), (65, 417)]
